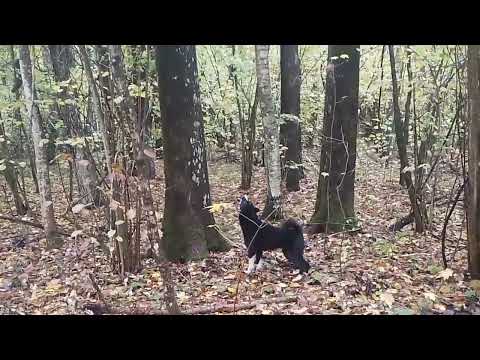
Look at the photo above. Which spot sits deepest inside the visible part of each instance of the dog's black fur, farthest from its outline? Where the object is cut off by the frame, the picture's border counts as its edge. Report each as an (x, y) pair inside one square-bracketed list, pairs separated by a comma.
[(288, 237)]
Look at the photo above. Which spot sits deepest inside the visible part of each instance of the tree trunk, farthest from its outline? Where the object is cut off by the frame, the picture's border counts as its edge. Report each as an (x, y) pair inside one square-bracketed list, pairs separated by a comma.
[(142, 103), (62, 60), (106, 93), (188, 227), (473, 189), (127, 114), (247, 129), (247, 168), (334, 206), (11, 174), (290, 133), (271, 135), (16, 88), (39, 143), (402, 146), (97, 107)]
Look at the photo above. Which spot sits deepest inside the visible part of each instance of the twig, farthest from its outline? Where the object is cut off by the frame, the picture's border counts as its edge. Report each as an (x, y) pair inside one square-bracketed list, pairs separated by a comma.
[(99, 292), (445, 223), (29, 223), (229, 308), (401, 223)]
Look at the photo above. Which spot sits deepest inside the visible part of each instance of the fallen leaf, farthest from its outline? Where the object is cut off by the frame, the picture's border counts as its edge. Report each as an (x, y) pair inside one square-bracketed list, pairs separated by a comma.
[(445, 274), (430, 296), (77, 208), (387, 298)]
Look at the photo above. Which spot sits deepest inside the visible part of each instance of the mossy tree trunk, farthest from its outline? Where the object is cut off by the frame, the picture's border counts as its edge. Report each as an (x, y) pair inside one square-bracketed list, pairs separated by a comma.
[(188, 227), (334, 206)]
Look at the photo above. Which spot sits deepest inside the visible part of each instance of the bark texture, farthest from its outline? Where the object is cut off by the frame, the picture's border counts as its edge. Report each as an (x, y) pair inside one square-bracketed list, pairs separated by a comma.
[(473, 189), (188, 226), (334, 206), (290, 128), (39, 143), (271, 135)]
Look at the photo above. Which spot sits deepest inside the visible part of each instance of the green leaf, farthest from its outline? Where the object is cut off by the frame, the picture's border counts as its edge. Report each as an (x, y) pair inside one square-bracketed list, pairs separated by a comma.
[(404, 311)]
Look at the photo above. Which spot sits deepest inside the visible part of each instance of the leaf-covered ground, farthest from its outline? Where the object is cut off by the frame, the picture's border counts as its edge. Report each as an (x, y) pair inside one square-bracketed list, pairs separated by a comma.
[(372, 271)]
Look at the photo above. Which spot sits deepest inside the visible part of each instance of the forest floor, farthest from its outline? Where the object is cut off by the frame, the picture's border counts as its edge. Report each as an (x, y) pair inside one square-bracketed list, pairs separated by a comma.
[(373, 271)]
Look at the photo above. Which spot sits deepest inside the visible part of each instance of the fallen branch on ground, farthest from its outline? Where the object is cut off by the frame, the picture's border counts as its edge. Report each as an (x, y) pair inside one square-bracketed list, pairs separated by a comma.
[(401, 223), (203, 310), (99, 293), (29, 223), (229, 308)]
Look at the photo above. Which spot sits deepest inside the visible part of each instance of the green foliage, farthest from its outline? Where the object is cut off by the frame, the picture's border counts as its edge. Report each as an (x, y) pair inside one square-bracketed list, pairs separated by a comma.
[(384, 248)]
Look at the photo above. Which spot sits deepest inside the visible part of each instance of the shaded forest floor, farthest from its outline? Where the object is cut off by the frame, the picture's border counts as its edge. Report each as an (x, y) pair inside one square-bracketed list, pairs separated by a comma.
[(373, 271)]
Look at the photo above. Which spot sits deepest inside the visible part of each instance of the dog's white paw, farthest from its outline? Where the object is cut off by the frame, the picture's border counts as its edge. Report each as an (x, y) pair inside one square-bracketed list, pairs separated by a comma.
[(261, 264), (251, 265)]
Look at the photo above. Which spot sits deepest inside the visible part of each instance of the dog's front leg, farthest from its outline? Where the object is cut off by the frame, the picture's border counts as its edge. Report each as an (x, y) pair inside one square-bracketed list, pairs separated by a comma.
[(251, 264)]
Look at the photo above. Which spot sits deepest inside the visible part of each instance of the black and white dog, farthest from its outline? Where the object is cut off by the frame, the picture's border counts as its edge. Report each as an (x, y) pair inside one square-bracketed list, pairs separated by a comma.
[(260, 236)]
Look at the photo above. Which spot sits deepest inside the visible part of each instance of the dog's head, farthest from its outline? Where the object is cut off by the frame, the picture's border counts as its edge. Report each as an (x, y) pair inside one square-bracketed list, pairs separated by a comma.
[(247, 208)]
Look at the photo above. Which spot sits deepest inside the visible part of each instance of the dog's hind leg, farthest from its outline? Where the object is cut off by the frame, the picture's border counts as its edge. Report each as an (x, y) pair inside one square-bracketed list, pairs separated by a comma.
[(259, 260)]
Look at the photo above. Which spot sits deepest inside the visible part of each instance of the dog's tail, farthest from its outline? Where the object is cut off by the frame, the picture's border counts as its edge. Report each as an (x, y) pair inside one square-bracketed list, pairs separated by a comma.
[(293, 225)]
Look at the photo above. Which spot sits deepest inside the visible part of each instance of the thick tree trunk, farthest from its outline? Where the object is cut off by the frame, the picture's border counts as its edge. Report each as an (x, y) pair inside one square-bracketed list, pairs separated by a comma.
[(271, 135), (188, 227), (334, 207), (39, 143), (402, 147), (290, 133), (62, 60), (473, 189)]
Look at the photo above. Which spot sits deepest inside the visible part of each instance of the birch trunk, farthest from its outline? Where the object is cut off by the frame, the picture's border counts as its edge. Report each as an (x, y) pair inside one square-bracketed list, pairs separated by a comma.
[(271, 135), (39, 143)]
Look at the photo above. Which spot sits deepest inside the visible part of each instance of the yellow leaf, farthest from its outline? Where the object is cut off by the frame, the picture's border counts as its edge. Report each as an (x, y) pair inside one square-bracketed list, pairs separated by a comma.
[(475, 284), (216, 208), (54, 286), (387, 298), (232, 290), (445, 289), (430, 296), (131, 213), (445, 274), (117, 168)]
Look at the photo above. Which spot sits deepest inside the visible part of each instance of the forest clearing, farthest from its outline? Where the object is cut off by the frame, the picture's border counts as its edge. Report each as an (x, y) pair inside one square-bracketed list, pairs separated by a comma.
[(123, 169)]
